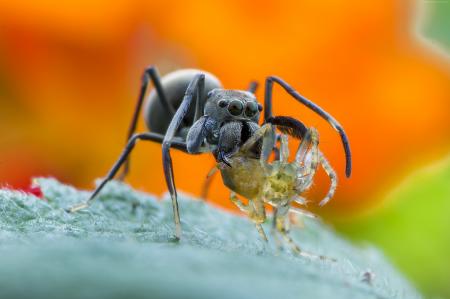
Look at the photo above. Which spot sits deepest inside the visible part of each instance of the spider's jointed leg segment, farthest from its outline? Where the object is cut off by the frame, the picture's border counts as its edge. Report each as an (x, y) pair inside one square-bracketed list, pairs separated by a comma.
[(321, 112), (155, 137), (333, 178), (238, 203), (195, 89), (150, 74)]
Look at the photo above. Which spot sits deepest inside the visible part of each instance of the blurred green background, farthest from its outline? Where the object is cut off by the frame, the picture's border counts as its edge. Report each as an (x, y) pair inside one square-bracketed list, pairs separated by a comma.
[(412, 228), (412, 223)]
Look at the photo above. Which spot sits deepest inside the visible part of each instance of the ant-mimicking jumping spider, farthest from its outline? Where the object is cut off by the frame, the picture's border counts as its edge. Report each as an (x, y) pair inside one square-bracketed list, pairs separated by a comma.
[(225, 123)]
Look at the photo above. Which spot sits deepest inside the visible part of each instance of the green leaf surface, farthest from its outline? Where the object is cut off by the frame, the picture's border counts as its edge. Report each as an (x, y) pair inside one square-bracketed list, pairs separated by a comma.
[(123, 247), (412, 228)]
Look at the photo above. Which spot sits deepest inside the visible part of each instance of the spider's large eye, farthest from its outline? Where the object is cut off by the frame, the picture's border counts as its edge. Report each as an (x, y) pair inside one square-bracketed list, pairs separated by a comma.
[(235, 108), (251, 109), (260, 107), (222, 103)]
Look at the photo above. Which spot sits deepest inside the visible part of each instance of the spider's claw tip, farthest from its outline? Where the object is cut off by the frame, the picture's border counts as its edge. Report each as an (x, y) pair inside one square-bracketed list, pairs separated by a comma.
[(222, 158)]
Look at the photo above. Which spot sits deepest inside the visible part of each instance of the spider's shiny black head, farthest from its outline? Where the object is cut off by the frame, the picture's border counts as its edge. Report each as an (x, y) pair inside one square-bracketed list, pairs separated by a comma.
[(226, 105)]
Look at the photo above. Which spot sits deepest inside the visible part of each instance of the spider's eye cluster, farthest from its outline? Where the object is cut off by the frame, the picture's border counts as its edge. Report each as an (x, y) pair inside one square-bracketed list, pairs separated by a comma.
[(238, 108), (235, 108), (222, 103), (251, 109)]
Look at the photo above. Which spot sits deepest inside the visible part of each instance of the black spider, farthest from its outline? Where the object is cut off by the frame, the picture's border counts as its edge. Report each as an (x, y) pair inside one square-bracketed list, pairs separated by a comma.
[(220, 121)]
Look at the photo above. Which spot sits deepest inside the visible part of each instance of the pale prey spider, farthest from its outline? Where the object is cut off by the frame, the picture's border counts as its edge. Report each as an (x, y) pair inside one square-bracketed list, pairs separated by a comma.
[(278, 183)]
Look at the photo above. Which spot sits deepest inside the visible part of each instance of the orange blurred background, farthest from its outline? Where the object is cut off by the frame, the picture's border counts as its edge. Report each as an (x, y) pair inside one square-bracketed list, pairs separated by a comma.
[(70, 73)]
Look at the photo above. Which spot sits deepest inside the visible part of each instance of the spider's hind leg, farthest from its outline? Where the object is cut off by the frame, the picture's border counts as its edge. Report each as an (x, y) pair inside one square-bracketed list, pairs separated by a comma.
[(121, 160), (150, 75)]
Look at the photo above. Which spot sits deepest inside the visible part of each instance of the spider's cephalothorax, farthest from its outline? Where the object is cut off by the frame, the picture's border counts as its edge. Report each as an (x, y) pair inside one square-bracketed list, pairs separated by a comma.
[(230, 117), (190, 111)]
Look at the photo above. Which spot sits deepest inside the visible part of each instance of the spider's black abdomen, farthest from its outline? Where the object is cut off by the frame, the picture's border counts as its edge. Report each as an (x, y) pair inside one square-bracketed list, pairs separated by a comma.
[(174, 85)]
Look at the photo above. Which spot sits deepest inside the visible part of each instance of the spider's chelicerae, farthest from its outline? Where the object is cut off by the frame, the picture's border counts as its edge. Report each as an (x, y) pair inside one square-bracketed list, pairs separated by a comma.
[(190, 111)]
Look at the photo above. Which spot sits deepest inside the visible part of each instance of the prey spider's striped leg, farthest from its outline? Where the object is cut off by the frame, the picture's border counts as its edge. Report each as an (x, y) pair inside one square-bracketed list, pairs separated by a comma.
[(150, 74), (303, 212), (307, 157), (282, 227), (266, 133), (255, 211), (150, 136), (284, 149), (238, 203), (194, 90), (303, 148), (274, 230), (333, 178), (321, 112)]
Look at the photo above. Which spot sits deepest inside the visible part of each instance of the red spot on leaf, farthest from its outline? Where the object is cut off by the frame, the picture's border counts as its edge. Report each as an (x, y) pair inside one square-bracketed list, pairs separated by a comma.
[(35, 190)]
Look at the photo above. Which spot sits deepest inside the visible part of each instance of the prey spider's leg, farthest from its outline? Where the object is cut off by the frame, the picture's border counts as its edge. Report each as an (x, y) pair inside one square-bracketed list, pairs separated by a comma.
[(322, 113), (312, 157), (308, 159), (303, 212), (284, 149), (266, 132), (274, 228), (331, 174), (279, 217), (261, 232), (305, 144), (255, 211), (150, 74), (280, 224), (300, 200), (238, 203), (150, 136), (207, 183), (252, 87), (194, 88), (283, 229)]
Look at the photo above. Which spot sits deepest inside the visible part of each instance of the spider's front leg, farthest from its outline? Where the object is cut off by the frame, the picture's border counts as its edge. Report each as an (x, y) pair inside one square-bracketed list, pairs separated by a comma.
[(194, 90), (303, 100)]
